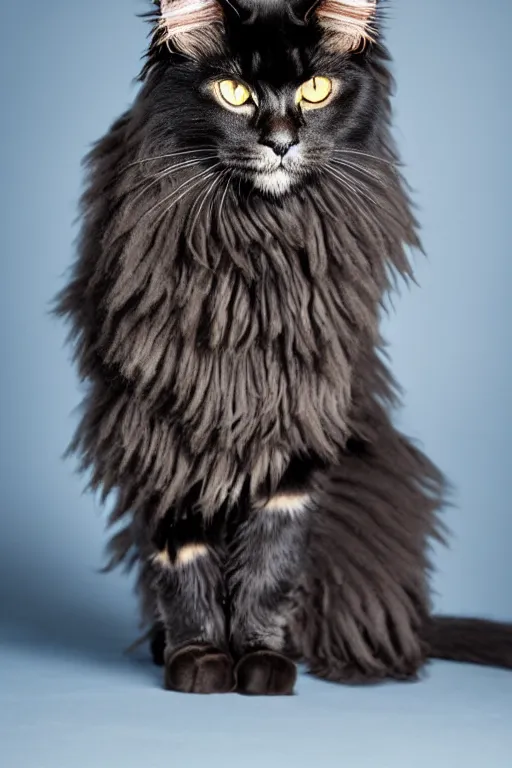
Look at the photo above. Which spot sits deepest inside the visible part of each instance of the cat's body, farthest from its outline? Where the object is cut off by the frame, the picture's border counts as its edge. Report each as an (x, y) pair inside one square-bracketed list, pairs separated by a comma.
[(225, 304)]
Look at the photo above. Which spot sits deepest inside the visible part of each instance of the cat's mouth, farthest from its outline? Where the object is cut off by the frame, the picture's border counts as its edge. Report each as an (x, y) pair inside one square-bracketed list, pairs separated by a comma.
[(267, 171), (276, 181)]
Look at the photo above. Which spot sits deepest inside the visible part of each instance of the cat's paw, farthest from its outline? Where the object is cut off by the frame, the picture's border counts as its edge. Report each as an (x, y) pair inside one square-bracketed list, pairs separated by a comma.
[(199, 669), (265, 673)]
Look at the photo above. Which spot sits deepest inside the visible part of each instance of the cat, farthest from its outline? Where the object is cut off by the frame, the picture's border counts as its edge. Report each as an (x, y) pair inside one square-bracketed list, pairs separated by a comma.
[(242, 224)]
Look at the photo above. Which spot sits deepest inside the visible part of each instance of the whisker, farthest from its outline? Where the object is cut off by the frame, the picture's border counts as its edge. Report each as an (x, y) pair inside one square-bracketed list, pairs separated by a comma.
[(234, 8), (212, 185), (360, 168), (360, 203), (224, 195), (188, 186), (168, 170), (170, 207), (341, 176), (355, 191), (363, 190), (171, 154), (353, 185), (216, 180), (365, 154), (222, 176)]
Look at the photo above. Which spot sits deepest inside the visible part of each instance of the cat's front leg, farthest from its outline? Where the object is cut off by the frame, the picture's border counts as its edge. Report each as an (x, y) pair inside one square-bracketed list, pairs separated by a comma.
[(186, 576), (265, 563)]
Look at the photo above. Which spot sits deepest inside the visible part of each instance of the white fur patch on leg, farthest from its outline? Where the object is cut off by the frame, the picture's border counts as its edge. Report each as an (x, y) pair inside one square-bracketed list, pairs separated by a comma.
[(162, 559), (185, 556), (189, 553), (288, 503)]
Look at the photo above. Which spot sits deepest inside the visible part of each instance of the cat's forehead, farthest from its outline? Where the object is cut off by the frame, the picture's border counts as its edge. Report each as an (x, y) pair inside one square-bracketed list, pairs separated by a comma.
[(274, 56), (275, 67), (271, 40)]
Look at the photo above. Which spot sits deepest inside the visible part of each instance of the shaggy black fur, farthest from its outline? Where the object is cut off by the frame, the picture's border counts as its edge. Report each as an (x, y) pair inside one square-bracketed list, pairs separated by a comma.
[(226, 322)]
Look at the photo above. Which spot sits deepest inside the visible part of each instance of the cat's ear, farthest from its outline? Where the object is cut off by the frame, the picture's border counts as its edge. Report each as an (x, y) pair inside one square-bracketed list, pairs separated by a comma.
[(193, 27), (349, 24)]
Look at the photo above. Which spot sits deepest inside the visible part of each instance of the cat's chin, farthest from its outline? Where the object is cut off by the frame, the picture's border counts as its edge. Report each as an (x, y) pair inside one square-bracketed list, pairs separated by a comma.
[(274, 183)]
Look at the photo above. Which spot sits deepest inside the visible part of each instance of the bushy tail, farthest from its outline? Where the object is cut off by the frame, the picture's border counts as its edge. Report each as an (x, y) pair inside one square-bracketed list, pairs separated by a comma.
[(474, 641)]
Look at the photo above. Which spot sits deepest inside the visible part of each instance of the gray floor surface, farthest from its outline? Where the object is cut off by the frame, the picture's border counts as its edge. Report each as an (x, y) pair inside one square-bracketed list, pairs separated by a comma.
[(64, 708)]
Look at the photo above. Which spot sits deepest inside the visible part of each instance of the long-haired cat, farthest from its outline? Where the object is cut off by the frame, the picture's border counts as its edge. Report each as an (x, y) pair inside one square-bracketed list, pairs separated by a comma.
[(241, 226)]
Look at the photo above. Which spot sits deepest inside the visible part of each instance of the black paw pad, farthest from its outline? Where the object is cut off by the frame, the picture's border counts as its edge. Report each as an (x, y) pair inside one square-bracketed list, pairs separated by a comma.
[(199, 669), (265, 673)]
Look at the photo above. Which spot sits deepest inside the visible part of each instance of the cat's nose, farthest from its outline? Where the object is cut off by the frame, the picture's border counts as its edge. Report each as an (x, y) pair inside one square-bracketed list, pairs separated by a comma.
[(280, 136), (280, 144)]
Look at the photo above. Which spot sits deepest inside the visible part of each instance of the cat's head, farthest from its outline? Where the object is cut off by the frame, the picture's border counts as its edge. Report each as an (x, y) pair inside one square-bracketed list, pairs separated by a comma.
[(271, 92)]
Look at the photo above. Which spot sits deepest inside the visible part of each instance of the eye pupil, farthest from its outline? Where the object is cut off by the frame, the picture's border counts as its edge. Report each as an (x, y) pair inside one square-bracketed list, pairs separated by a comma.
[(233, 93), (315, 91)]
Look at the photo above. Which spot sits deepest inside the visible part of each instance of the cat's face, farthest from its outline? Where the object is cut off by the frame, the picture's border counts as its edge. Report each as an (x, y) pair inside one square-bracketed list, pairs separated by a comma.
[(271, 102)]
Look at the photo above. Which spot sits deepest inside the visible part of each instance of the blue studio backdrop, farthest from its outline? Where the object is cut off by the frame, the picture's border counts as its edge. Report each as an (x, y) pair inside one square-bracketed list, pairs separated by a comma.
[(67, 70)]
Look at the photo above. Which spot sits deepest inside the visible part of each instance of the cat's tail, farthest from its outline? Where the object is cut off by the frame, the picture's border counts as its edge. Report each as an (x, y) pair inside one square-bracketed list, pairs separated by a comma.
[(474, 641)]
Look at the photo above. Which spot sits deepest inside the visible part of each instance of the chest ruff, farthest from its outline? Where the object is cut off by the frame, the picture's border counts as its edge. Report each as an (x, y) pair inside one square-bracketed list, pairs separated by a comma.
[(255, 374), (238, 339)]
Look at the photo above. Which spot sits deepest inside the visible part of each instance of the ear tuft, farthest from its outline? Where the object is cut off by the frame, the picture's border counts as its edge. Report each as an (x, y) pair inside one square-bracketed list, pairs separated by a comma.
[(192, 27), (350, 24)]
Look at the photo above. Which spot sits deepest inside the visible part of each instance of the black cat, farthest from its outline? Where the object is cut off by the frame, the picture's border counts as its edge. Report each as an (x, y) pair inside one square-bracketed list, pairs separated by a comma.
[(242, 223)]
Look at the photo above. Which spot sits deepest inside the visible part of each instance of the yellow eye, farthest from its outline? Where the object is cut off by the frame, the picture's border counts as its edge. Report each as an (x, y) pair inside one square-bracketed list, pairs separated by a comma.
[(234, 93), (315, 90)]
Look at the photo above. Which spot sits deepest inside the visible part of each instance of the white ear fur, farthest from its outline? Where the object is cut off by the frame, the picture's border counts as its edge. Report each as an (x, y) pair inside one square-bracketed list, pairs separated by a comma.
[(350, 23), (192, 26)]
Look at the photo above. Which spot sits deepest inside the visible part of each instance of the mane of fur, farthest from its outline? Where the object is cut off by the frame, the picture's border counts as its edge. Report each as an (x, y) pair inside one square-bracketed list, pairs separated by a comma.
[(219, 340)]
